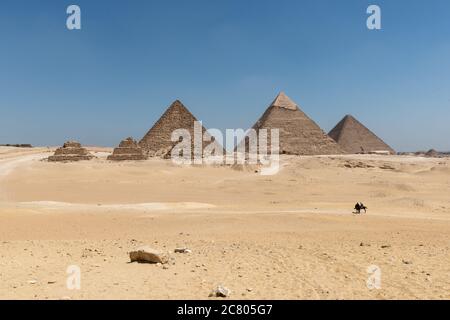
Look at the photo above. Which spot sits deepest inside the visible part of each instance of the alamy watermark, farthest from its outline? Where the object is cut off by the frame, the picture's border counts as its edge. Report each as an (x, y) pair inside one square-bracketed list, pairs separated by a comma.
[(374, 279), (73, 281), (206, 147), (73, 21), (374, 20)]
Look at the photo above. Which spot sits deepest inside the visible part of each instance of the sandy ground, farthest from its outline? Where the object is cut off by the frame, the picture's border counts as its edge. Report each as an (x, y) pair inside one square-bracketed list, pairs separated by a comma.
[(287, 236)]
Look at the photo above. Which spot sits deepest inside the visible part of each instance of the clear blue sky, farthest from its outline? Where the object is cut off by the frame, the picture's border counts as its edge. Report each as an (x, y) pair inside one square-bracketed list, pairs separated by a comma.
[(226, 60)]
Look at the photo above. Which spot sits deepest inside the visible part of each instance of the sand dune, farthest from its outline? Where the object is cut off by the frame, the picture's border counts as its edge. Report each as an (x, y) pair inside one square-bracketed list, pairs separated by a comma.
[(286, 236)]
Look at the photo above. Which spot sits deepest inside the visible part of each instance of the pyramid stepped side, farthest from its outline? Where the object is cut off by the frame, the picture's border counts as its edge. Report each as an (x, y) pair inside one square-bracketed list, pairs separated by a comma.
[(158, 138), (298, 134), (177, 116), (70, 151), (354, 137), (128, 149)]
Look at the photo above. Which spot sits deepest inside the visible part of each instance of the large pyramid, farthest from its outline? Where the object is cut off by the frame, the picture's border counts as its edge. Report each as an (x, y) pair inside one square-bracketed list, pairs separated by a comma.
[(298, 134), (354, 137), (158, 138)]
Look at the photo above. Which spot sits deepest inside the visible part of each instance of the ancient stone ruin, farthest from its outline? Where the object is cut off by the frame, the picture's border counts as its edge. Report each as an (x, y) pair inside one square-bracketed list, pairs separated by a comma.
[(158, 140), (128, 149), (355, 138), (22, 145), (70, 151), (298, 134)]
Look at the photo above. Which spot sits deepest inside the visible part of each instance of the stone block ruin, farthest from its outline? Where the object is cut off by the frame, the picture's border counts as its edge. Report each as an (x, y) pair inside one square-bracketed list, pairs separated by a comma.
[(70, 151), (128, 149)]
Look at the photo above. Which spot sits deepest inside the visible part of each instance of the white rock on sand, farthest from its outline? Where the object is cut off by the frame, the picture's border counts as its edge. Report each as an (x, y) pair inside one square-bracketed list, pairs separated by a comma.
[(220, 292)]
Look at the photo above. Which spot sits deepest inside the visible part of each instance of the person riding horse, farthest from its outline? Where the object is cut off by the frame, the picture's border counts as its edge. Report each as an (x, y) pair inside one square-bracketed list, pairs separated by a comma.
[(360, 206)]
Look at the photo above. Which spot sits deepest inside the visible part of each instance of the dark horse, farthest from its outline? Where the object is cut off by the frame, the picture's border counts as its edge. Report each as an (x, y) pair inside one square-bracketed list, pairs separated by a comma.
[(360, 206)]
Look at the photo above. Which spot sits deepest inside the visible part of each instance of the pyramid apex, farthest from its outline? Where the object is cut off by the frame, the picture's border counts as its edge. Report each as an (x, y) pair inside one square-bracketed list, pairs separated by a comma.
[(349, 117), (283, 101), (177, 101), (177, 104)]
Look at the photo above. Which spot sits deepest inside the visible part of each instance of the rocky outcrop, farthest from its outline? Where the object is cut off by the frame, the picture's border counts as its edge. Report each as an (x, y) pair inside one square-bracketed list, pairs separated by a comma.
[(148, 255), (70, 151), (128, 149), (23, 145)]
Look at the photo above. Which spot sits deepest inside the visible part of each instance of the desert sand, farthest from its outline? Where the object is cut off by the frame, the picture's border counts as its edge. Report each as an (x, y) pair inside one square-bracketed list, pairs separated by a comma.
[(286, 236)]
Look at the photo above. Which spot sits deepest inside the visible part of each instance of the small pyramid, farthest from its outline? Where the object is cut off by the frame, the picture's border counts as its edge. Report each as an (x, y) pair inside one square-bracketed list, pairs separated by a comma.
[(298, 134), (354, 137), (128, 149), (70, 151), (158, 141), (432, 154)]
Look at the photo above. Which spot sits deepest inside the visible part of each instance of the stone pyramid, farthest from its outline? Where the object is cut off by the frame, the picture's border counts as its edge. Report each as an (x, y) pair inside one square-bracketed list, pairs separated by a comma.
[(158, 141), (70, 151), (354, 137), (298, 134), (128, 149)]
